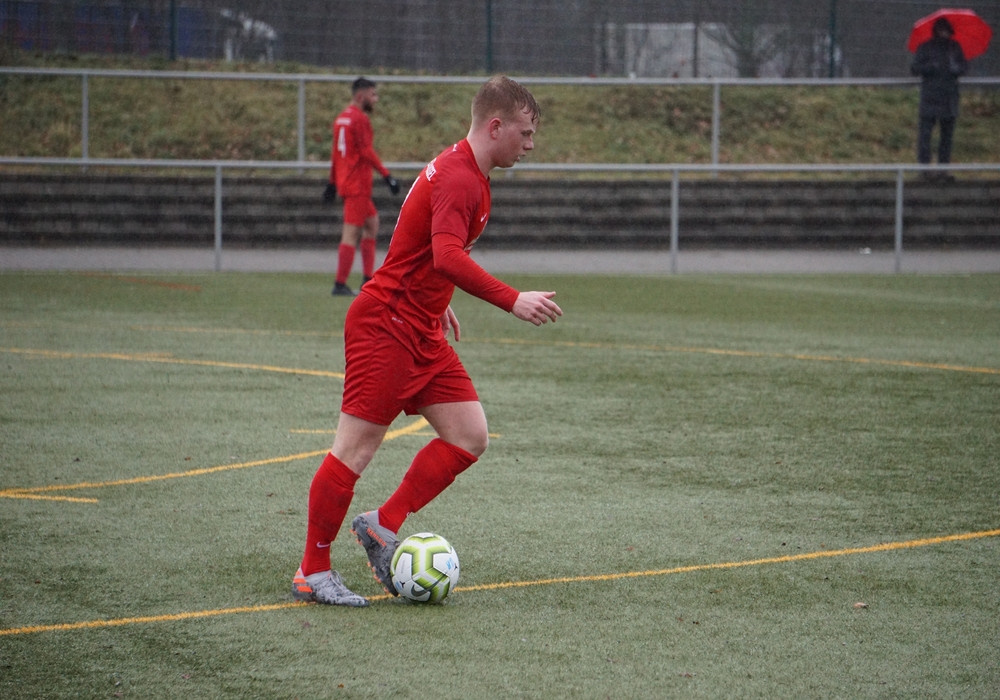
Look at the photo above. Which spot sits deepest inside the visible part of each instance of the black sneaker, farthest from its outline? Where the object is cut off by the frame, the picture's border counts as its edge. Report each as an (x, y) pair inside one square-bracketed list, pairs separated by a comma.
[(342, 290)]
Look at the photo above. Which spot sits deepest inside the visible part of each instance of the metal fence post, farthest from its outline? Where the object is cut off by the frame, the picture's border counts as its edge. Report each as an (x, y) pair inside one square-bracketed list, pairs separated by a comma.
[(85, 120), (218, 218), (899, 221), (674, 216), (716, 123), (302, 122)]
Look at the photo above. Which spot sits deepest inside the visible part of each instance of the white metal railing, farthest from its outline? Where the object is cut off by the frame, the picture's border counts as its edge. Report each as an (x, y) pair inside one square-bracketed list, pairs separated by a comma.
[(301, 80), (301, 164), (675, 170)]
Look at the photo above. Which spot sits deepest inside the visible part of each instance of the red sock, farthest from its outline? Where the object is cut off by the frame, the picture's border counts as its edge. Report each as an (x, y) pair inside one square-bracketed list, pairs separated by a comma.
[(367, 257), (432, 471), (329, 498), (345, 261)]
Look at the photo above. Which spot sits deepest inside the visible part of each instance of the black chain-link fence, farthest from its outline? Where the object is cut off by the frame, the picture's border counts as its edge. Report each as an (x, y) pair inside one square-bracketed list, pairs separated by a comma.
[(642, 38)]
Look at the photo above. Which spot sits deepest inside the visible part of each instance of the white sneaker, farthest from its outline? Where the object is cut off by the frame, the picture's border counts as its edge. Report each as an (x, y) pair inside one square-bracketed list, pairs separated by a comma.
[(327, 588)]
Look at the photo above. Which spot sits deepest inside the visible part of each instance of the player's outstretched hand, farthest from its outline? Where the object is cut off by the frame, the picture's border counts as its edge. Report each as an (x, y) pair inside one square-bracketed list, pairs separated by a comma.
[(393, 184), (536, 307), (330, 193), (449, 322)]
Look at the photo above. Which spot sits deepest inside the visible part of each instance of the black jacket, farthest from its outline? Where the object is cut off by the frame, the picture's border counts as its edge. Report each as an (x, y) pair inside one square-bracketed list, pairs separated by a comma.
[(939, 62)]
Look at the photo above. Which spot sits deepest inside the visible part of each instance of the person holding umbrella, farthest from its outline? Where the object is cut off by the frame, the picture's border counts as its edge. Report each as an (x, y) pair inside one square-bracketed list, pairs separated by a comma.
[(939, 62), (944, 42)]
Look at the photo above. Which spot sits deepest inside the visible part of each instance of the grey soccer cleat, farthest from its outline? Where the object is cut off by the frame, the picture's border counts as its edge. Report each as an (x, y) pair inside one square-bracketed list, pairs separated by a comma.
[(380, 544), (329, 590)]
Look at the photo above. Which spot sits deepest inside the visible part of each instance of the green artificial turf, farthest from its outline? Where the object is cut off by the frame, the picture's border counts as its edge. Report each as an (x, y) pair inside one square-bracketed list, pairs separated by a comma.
[(689, 482)]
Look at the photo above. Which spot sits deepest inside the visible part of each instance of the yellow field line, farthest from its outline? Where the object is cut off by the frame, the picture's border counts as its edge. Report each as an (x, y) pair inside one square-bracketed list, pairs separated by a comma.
[(166, 359), (748, 353), (594, 345), (238, 331), (152, 357), (33, 492), (29, 496), (21, 492), (120, 622), (821, 554), (885, 547)]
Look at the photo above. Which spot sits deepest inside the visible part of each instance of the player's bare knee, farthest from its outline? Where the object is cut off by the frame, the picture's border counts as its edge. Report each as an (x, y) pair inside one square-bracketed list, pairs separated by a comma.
[(476, 444), (482, 446)]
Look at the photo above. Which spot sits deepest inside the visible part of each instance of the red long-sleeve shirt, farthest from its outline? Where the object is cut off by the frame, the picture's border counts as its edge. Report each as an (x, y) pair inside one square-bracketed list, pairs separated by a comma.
[(353, 156), (444, 214)]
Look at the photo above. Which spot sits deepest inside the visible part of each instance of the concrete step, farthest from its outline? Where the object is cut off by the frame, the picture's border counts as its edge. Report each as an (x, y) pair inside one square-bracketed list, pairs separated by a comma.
[(82, 208)]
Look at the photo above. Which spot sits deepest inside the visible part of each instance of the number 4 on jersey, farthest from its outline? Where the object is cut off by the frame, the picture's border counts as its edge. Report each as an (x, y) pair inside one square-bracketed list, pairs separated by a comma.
[(342, 142)]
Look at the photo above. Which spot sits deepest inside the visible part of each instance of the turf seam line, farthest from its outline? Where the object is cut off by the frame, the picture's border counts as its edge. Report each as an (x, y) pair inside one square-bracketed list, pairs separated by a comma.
[(884, 547), (36, 491)]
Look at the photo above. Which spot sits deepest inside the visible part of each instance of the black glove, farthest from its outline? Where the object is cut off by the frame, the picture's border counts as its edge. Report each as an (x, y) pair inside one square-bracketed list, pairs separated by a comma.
[(393, 184), (330, 193)]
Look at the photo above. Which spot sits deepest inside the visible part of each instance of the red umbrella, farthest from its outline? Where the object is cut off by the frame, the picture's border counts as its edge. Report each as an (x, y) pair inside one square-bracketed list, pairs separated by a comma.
[(971, 32)]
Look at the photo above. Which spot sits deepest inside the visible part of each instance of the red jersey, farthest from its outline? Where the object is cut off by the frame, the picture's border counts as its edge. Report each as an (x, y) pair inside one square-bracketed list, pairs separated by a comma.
[(445, 211), (353, 156)]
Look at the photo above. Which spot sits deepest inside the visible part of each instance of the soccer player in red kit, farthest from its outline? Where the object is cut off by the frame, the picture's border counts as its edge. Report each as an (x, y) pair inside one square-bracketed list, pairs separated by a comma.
[(398, 358), (352, 159)]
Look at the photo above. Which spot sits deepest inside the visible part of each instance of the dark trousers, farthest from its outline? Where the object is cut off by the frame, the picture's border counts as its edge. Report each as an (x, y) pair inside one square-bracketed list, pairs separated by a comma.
[(924, 132)]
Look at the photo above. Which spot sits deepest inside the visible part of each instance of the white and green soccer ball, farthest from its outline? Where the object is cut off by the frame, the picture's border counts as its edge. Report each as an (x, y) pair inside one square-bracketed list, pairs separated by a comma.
[(424, 568)]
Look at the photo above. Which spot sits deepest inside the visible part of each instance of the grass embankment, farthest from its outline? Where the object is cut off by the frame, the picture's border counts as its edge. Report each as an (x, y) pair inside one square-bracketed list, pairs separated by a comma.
[(201, 119)]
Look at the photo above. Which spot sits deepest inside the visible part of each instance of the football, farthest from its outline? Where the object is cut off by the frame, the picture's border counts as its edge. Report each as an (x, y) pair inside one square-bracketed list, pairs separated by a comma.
[(424, 568)]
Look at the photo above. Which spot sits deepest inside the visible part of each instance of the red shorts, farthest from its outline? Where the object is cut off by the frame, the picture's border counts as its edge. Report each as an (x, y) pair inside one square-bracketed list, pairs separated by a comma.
[(390, 369), (358, 209)]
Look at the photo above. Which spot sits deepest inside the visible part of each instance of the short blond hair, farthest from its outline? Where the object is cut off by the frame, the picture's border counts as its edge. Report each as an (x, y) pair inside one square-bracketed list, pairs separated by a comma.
[(505, 98)]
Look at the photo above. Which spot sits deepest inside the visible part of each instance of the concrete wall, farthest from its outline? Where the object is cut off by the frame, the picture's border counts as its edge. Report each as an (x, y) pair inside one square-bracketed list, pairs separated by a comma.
[(90, 208)]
